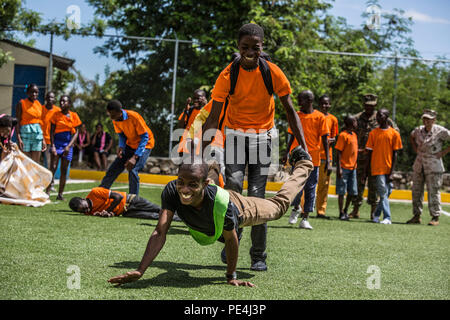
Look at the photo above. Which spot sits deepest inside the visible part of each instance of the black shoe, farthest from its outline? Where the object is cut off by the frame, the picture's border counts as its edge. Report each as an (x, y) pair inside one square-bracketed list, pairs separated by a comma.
[(344, 217), (258, 266), (322, 216), (297, 154)]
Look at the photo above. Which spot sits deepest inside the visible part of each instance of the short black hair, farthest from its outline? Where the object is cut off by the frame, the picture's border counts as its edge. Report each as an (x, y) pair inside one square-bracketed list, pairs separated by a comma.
[(384, 111), (348, 119), (201, 165), (306, 94), (114, 105), (200, 91), (322, 97), (251, 29), (99, 124), (8, 121), (75, 203), (31, 85), (68, 98)]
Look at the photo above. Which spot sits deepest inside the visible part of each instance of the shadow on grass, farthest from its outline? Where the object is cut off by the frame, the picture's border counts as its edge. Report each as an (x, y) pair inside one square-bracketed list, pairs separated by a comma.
[(177, 275)]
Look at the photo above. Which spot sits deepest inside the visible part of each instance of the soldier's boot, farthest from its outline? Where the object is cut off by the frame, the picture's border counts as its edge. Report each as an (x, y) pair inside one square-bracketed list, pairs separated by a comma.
[(355, 212), (414, 220), (434, 221)]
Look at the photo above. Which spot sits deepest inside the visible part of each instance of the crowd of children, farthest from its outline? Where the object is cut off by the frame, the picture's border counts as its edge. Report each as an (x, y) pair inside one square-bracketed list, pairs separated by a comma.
[(242, 109)]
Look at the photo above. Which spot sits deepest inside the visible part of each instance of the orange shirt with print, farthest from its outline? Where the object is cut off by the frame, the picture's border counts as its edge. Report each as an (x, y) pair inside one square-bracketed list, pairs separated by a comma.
[(347, 144), (182, 146), (31, 112), (333, 124), (65, 122), (251, 106), (383, 142), (46, 124), (314, 127), (101, 200), (133, 128)]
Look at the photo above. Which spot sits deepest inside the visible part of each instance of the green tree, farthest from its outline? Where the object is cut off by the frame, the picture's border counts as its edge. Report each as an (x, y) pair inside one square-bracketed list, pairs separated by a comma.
[(292, 28), (14, 16)]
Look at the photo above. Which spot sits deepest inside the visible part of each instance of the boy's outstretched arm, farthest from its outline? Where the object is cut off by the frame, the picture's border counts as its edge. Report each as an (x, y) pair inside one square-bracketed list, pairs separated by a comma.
[(154, 246), (232, 250), (294, 121)]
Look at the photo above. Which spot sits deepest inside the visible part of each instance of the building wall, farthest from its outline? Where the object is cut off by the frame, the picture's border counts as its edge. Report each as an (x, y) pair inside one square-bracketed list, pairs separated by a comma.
[(21, 56)]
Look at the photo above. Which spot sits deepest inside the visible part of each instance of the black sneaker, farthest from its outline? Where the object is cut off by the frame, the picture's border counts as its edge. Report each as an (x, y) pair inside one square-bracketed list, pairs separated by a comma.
[(297, 154), (344, 217), (258, 266)]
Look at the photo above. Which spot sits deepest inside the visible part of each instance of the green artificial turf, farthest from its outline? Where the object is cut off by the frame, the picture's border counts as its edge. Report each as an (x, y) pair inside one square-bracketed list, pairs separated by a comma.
[(40, 246)]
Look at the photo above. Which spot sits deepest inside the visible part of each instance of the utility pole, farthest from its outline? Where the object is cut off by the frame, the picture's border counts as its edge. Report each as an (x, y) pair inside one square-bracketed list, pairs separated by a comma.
[(50, 65), (174, 86)]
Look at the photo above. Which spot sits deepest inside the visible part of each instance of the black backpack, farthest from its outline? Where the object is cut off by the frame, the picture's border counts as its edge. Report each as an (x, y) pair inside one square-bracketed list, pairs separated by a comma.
[(234, 73)]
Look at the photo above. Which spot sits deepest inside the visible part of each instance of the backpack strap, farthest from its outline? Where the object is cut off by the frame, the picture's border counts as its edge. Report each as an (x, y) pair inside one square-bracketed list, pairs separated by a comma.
[(234, 73), (267, 77)]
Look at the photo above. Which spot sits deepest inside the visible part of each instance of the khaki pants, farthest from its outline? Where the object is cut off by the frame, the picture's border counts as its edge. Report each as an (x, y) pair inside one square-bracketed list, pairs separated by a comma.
[(322, 189), (256, 211), (434, 183)]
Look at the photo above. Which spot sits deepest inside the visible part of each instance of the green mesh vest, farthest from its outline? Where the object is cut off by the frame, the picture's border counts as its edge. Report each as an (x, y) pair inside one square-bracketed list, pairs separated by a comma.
[(220, 209)]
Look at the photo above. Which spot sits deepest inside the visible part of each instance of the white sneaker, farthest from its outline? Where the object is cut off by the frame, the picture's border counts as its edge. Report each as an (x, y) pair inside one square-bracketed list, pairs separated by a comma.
[(376, 219), (294, 216), (304, 224), (386, 221)]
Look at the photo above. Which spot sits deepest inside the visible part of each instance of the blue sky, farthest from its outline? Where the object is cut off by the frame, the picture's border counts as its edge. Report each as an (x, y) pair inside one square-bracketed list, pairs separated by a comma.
[(430, 31)]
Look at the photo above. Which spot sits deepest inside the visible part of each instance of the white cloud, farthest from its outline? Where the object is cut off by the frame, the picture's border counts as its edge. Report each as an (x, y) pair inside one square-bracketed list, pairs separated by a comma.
[(421, 17)]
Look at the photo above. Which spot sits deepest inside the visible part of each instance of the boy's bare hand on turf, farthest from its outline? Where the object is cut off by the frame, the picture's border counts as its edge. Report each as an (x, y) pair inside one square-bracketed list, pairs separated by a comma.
[(238, 283), (130, 276)]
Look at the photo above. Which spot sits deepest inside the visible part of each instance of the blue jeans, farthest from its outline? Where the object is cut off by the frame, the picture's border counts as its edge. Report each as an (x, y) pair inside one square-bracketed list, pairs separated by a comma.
[(118, 166), (384, 190), (310, 192), (254, 152), (347, 183)]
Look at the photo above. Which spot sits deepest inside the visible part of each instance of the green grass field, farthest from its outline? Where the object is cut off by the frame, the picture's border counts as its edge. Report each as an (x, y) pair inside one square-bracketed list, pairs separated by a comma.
[(39, 246)]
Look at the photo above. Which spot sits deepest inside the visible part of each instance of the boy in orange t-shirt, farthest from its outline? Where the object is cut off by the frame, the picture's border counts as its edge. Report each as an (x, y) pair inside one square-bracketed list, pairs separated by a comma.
[(135, 145), (63, 133), (325, 175), (347, 155), (316, 133), (382, 145), (48, 110), (249, 123), (107, 203)]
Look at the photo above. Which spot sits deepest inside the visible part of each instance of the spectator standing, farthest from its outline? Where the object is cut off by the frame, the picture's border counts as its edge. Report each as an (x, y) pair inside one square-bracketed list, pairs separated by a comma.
[(101, 143), (382, 145), (427, 141)]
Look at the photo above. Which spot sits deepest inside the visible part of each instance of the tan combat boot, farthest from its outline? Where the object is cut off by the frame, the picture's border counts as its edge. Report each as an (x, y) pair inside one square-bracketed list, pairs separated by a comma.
[(434, 221)]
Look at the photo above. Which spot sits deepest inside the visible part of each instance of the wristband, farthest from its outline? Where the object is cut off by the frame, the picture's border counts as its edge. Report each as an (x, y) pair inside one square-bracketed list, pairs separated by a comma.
[(232, 276)]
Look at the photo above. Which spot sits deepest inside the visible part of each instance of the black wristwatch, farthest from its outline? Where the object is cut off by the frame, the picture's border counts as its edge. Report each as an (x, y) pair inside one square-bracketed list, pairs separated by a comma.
[(232, 276)]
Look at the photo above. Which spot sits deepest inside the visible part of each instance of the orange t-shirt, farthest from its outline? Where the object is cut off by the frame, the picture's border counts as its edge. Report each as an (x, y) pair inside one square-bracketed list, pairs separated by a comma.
[(347, 144), (383, 142), (101, 200), (251, 106), (31, 112), (192, 116), (64, 122), (133, 128), (333, 124), (46, 124), (314, 127)]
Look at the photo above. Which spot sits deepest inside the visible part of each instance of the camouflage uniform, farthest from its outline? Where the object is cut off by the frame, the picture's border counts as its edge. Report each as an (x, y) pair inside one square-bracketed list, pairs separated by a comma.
[(365, 125), (428, 168)]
